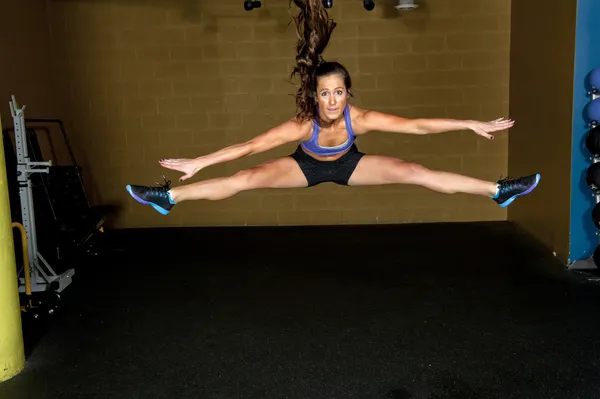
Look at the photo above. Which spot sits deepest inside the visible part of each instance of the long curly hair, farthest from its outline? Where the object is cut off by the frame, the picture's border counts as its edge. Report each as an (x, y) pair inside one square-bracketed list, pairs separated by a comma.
[(314, 28)]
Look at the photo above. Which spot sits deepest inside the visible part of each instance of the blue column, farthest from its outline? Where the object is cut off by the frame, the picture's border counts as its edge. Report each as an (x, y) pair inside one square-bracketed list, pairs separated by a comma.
[(583, 239)]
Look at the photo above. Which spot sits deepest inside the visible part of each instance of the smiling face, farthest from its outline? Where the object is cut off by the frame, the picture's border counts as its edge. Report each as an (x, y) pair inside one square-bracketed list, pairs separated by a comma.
[(332, 96)]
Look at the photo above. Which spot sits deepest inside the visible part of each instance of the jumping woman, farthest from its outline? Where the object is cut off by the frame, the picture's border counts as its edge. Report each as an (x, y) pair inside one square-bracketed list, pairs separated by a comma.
[(326, 127)]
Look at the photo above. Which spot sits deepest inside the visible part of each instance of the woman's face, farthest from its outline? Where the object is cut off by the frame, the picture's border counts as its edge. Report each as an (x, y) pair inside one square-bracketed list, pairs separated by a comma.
[(331, 96)]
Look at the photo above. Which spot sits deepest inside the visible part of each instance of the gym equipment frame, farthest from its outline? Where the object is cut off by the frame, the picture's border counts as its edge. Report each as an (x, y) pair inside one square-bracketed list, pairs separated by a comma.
[(42, 276)]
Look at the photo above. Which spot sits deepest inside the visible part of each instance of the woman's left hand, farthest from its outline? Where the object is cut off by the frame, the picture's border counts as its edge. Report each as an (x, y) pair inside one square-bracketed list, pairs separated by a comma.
[(485, 128)]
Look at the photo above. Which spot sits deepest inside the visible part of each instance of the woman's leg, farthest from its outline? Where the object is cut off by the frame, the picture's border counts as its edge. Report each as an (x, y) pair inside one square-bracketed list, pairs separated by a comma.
[(279, 173), (378, 170)]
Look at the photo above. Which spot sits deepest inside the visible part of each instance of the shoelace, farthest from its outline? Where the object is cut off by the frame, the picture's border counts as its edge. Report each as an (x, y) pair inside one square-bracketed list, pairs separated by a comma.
[(507, 183), (167, 184), (162, 188)]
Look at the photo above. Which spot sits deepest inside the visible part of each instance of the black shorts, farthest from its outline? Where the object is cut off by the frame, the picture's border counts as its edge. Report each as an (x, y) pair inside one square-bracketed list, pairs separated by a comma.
[(338, 171)]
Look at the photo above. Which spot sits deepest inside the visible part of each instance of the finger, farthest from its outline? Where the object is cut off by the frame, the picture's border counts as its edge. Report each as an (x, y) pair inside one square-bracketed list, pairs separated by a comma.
[(170, 163), (502, 125), (184, 177), (170, 160), (505, 126), (486, 135), (169, 166), (503, 120)]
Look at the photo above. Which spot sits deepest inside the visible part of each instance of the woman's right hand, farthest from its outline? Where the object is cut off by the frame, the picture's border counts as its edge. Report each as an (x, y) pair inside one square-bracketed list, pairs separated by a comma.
[(187, 166)]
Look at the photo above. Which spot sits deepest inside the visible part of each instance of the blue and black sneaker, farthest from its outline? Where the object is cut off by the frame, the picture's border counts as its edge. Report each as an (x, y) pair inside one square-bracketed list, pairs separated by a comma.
[(158, 198), (509, 189)]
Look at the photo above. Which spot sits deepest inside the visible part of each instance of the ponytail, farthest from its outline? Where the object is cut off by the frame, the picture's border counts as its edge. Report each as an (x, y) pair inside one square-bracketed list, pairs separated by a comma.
[(313, 28)]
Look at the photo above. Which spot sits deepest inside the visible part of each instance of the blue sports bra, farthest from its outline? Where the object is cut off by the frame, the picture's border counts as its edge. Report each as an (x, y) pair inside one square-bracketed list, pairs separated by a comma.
[(313, 146)]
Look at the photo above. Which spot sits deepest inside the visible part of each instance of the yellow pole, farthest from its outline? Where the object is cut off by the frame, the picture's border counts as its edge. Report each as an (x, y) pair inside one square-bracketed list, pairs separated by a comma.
[(12, 351)]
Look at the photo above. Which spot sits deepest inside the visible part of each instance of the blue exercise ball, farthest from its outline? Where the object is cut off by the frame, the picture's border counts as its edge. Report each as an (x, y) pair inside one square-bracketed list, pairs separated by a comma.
[(595, 78), (592, 111)]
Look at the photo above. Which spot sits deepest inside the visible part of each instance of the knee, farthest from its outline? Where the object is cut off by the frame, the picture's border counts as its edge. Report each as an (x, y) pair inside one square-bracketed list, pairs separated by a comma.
[(408, 172), (432, 179), (244, 179), (418, 171)]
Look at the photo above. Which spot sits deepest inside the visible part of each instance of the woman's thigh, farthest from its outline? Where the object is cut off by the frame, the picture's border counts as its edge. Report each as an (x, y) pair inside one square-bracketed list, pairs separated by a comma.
[(378, 170), (277, 173)]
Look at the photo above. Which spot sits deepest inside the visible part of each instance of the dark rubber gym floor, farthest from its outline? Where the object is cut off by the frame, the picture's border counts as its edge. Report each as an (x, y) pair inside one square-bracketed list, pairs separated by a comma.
[(411, 311)]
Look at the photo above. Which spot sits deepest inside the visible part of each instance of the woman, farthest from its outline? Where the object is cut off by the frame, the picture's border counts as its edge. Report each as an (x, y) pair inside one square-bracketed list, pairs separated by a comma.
[(326, 127)]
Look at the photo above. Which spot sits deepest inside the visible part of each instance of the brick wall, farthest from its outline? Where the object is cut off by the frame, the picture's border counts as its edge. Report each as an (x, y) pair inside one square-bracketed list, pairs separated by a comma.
[(145, 80), (26, 56)]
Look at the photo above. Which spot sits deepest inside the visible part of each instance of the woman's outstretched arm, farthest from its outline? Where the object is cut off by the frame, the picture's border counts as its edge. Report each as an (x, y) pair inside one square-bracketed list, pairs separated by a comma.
[(289, 131), (367, 120)]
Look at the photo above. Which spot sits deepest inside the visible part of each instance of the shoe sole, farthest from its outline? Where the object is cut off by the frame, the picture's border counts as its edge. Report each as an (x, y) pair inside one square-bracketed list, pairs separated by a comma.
[(530, 189), (141, 201)]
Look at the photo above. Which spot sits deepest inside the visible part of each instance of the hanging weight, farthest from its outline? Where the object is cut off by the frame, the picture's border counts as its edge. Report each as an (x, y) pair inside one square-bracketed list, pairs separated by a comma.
[(596, 215), (592, 177), (592, 141), (596, 256)]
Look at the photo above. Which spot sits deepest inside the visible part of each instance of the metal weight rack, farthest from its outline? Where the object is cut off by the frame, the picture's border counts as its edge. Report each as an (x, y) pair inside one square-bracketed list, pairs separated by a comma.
[(43, 277), (592, 262)]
